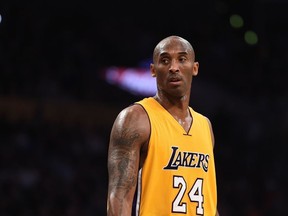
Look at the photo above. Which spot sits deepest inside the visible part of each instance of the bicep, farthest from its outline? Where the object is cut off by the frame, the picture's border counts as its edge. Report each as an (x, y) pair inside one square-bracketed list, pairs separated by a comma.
[(123, 156)]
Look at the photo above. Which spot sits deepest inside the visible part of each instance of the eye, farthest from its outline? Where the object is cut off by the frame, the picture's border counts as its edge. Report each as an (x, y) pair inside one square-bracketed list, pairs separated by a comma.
[(164, 60), (182, 59)]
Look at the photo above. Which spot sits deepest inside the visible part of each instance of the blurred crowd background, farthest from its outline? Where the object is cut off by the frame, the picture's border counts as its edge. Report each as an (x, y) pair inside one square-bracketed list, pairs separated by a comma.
[(56, 110)]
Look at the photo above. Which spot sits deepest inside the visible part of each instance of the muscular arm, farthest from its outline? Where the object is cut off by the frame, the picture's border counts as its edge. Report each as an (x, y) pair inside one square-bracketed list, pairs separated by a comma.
[(129, 133)]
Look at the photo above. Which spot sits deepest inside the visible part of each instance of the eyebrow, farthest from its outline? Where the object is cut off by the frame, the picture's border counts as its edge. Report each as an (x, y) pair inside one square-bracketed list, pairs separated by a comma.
[(183, 53), (179, 53)]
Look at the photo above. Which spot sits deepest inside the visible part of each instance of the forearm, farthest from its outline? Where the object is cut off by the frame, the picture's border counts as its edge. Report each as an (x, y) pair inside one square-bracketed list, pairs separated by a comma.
[(122, 171), (118, 207)]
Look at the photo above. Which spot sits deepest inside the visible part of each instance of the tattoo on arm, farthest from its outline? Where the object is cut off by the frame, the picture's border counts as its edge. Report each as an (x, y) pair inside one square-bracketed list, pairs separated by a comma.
[(123, 160)]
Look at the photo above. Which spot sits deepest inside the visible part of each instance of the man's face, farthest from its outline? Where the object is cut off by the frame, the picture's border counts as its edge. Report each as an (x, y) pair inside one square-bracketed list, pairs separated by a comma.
[(174, 68)]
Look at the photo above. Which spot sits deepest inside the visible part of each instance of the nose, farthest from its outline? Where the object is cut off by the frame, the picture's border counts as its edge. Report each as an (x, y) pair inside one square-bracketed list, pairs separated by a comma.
[(174, 67)]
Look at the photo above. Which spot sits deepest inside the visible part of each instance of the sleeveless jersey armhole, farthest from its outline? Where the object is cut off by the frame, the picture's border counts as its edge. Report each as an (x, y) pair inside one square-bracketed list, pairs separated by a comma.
[(148, 140)]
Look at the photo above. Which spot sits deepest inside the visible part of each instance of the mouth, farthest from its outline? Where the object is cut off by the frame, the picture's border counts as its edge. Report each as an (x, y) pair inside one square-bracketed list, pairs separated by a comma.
[(174, 79)]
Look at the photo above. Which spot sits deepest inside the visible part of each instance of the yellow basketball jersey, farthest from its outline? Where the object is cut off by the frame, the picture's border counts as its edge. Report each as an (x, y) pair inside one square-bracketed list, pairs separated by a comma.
[(178, 175)]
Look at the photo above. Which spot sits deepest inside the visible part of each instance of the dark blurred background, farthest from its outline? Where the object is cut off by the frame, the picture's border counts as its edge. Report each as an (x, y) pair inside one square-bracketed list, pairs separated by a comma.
[(56, 110)]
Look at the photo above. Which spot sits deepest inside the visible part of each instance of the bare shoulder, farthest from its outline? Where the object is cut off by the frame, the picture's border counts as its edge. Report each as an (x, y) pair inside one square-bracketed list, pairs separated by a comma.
[(133, 116), (132, 123), (134, 111)]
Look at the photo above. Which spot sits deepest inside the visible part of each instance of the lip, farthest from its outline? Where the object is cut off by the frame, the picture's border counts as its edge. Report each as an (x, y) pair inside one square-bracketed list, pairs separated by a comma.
[(174, 79), (175, 82)]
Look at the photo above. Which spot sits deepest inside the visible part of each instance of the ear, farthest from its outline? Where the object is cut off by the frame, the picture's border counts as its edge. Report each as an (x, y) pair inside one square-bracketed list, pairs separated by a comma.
[(195, 68), (152, 70)]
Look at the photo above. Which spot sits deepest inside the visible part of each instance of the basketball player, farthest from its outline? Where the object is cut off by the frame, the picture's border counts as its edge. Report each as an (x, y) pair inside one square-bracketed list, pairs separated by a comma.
[(161, 150)]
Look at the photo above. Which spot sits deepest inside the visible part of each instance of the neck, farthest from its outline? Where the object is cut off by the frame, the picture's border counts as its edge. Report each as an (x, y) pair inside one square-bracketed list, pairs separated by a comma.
[(177, 103)]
